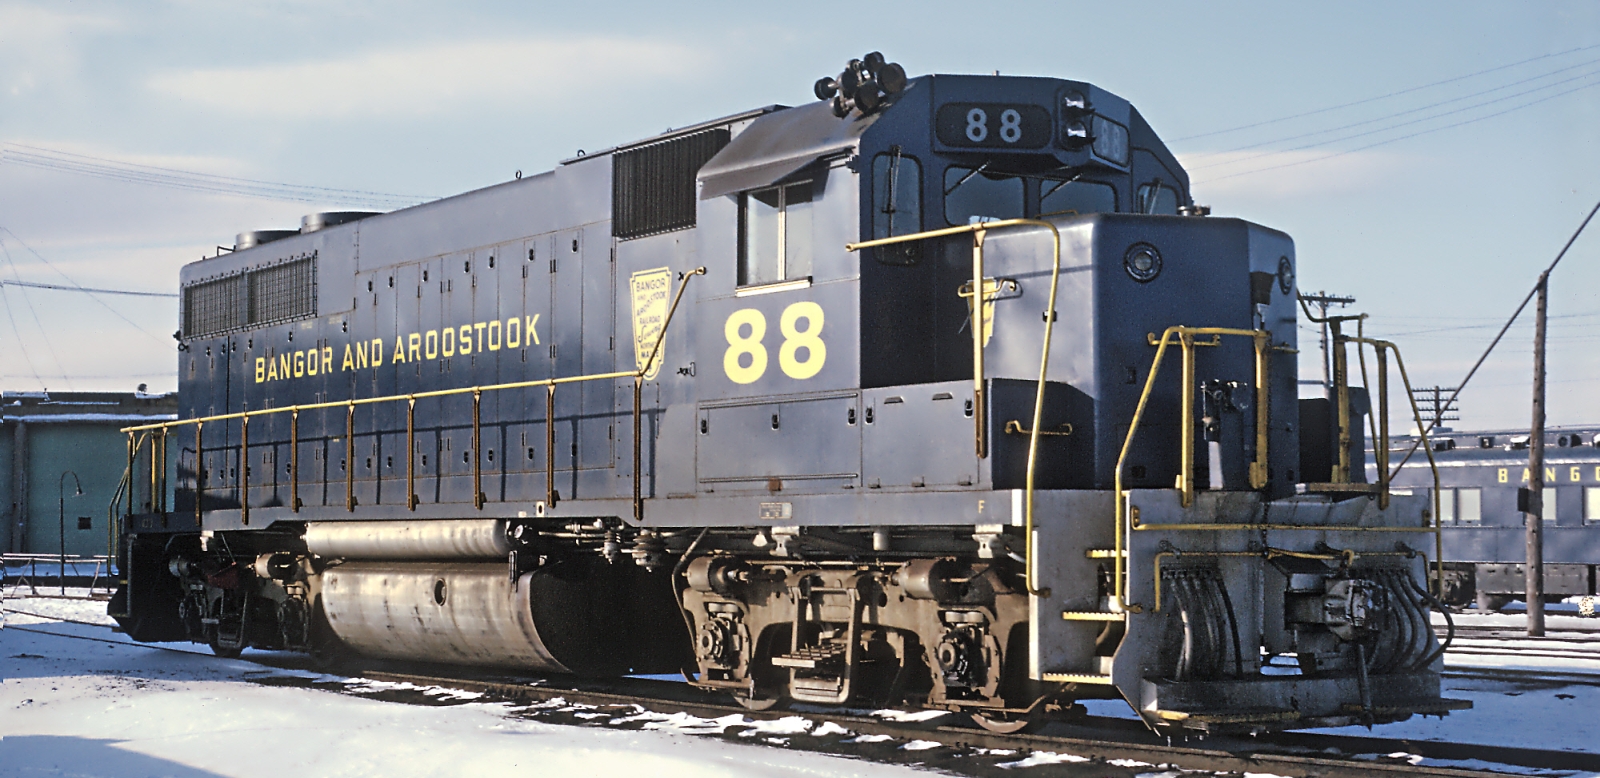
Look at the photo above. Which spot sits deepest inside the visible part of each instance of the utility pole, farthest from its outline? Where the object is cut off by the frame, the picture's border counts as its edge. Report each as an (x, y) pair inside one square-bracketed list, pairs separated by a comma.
[(1534, 518), (1438, 405), (1322, 300)]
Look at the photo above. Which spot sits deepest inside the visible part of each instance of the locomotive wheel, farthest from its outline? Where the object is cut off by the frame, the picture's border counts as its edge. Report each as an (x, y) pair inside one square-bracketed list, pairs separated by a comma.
[(1008, 723), (227, 653), (756, 703)]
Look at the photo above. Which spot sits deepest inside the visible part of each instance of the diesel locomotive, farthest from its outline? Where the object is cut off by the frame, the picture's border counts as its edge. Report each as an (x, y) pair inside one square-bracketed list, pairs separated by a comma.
[(937, 391)]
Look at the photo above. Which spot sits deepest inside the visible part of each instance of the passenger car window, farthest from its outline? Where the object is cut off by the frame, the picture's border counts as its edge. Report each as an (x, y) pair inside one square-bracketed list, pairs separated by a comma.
[(1060, 197), (973, 195), (1469, 506), (776, 245)]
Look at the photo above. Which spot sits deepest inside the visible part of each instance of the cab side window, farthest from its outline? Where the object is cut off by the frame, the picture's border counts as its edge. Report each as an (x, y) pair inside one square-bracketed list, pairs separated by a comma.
[(1157, 198), (896, 204), (776, 241)]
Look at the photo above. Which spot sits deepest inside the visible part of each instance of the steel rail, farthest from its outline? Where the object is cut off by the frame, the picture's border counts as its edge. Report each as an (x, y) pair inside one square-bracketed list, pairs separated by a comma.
[(1101, 739), (1097, 739)]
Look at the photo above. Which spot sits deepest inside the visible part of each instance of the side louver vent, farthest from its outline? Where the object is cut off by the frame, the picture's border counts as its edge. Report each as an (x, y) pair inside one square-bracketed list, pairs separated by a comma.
[(652, 187)]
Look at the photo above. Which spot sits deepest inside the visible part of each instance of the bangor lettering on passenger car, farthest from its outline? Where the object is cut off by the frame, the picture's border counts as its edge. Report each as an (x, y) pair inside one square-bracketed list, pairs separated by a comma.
[(936, 391)]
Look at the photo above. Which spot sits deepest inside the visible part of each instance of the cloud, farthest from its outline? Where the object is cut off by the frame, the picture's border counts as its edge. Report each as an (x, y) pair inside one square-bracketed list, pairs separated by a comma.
[(1290, 173), (39, 46), (432, 79)]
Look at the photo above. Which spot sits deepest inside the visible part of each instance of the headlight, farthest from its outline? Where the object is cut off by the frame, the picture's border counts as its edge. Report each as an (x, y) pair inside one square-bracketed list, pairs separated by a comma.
[(1142, 262), (1110, 140)]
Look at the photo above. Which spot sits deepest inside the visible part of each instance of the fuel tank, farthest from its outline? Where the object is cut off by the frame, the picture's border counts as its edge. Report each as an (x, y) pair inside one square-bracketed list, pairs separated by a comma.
[(579, 616), (435, 539)]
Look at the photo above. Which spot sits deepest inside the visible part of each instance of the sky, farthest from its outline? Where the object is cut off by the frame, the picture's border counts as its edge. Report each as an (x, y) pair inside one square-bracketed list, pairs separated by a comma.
[(1429, 158)]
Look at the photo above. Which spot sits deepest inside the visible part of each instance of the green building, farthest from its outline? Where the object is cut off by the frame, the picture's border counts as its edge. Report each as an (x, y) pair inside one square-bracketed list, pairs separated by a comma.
[(53, 443)]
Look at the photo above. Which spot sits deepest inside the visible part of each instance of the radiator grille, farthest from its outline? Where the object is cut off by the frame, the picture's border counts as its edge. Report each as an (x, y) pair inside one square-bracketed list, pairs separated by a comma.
[(283, 292), (652, 187), (210, 307), (267, 295)]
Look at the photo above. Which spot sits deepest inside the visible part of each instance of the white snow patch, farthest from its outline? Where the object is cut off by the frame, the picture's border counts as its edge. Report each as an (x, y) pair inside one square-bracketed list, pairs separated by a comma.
[(1132, 763), (909, 715), (920, 745), (1042, 758), (870, 739), (829, 728)]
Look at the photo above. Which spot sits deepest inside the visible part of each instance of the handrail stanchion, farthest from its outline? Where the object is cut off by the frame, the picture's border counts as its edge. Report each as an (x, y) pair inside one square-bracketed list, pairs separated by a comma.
[(1186, 419), (478, 498), (550, 445), (638, 385), (294, 460), (1258, 468), (132, 451), (638, 426), (350, 457), (978, 405), (199, 474), (155, 479), (244, 470), (411, 453), (1341, 382), (1380, 447)]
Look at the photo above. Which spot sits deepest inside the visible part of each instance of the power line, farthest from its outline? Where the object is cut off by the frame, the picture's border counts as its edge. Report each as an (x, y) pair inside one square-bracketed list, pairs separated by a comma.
[(21, 343), (1385, 97), (1518, 312), (92, 290), (1400, 138), (91, 293), (43, 333), (1408, 111), (173, 178)]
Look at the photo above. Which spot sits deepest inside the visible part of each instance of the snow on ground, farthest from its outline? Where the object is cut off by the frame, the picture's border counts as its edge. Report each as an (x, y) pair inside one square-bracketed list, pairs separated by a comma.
[(75, 707), (106, 707)]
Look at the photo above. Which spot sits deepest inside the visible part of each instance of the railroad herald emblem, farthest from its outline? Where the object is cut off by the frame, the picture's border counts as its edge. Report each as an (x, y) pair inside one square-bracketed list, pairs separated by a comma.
[(649, 290)]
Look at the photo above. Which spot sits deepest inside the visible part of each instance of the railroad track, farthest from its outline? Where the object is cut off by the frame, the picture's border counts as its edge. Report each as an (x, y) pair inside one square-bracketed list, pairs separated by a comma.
[(1088, 746)]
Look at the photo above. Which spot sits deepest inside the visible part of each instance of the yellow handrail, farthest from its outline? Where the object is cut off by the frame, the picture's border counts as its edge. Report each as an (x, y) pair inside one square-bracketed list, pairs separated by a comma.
[(1258, 468), (1029, 575), (410, 399), (1380, 447), (1433, 464)]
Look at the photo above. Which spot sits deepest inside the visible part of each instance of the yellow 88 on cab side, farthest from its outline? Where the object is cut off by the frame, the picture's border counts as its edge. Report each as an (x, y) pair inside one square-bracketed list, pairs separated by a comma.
[(796, 342)]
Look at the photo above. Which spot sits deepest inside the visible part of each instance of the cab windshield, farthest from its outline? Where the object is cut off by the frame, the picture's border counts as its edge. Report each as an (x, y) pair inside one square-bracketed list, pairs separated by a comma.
[(980, 194)]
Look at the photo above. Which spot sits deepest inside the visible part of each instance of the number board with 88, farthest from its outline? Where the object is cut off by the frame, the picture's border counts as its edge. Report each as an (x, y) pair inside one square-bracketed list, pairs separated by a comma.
[(992, 125)]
